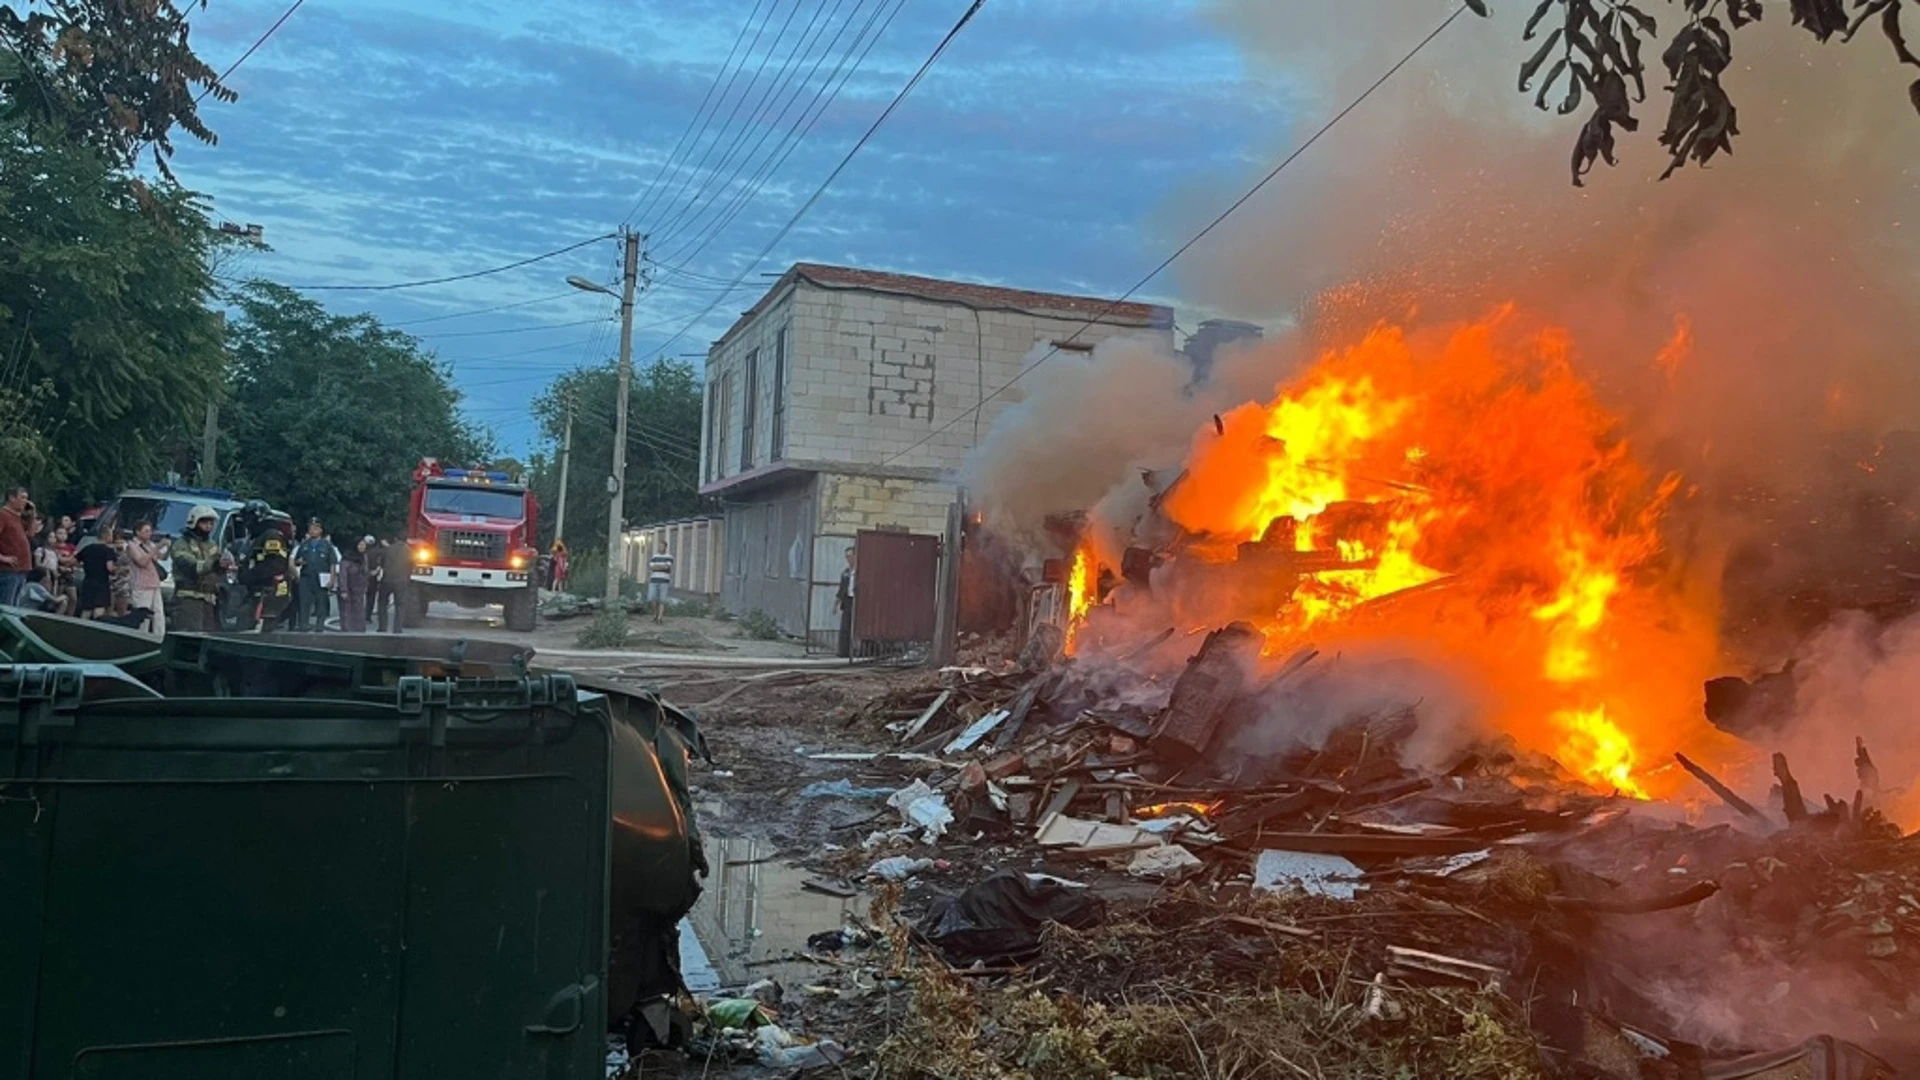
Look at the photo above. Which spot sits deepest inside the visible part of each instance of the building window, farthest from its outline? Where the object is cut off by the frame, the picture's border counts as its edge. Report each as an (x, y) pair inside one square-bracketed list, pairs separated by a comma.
[(726, 422), (778, 447), (747, 410), (712, 469)]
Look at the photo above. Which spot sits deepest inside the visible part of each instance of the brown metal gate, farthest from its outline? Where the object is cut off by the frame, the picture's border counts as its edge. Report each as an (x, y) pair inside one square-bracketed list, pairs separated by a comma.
[(894, 593)]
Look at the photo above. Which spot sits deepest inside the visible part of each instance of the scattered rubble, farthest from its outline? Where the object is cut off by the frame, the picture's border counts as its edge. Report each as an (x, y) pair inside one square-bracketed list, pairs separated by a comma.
[(1493, 900)]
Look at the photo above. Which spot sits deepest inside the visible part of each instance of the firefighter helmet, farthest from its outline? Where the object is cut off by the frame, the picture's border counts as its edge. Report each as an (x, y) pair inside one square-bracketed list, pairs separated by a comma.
[(201, 513)]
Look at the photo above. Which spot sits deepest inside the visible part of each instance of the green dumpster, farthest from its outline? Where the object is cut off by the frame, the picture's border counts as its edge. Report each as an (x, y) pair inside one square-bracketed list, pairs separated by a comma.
[(254, 887), (31, 637)]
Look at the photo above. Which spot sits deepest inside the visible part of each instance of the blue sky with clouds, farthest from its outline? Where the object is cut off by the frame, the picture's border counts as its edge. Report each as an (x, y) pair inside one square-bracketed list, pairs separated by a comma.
[(380, 141)]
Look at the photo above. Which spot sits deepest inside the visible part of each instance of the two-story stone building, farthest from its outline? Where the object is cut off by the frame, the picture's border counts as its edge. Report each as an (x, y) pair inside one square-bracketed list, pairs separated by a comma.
[(845, 400)]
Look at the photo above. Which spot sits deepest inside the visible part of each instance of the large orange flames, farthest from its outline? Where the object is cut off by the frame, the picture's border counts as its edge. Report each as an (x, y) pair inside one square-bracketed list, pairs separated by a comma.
[(1463, 490)]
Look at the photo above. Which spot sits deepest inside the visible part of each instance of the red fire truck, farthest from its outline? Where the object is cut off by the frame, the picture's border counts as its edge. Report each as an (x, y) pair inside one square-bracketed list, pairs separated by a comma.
[(471, 534)]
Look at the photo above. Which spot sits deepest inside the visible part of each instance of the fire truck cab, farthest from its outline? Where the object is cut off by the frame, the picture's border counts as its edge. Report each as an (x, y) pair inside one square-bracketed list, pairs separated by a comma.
[(470, 535)]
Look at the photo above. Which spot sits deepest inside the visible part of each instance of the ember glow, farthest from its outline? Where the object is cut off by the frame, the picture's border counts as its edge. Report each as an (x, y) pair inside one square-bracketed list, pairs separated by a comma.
[(1463, 489)]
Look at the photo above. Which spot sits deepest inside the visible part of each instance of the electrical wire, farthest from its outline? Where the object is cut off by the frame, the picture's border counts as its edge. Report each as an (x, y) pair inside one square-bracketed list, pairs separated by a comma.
[(1183, 248), (700, 167), (687, 173), (845, 160), (653, 185), (510, 330), (485, 310), (802, 127), (471, 360), (251, 49), (516, 264), (802, 49)]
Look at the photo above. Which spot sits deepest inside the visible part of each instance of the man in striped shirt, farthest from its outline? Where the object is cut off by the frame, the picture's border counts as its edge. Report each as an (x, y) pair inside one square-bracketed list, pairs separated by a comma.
[(659, 580)]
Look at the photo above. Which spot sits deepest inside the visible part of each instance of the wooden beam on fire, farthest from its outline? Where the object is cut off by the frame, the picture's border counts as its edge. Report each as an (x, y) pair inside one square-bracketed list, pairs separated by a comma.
[(1727, 794)]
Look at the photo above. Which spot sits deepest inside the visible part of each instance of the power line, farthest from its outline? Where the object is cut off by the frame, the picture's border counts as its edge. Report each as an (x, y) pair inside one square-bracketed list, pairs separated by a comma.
[(251, 49), (899, 97), (468, 361), (798, 132), (666, 165), (746, 91), (485, 310), (685, 171), (516, 264), (510, 330), (1183, 248), (785, 78)]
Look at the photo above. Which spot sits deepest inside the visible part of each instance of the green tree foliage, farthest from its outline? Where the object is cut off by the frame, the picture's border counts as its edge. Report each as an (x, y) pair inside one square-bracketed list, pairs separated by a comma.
[(117, 75), (104, 293), (1590, 50), (26, 455), (663, 441), (327, 415)]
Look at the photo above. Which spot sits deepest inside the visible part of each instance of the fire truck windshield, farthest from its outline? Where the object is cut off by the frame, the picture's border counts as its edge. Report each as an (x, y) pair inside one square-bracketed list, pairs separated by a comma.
[(473, 499)]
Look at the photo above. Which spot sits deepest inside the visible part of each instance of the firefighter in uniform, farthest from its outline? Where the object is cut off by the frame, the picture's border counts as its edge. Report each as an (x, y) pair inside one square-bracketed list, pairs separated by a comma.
[(269, 581), (198, 571)]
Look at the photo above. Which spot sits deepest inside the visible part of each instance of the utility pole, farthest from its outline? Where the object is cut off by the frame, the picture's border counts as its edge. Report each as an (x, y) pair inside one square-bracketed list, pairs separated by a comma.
[(209, 446), (616, 485), (566, 452)]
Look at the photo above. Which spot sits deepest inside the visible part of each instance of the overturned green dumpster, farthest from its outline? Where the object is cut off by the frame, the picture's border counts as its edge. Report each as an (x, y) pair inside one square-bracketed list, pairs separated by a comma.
[(241, 858)]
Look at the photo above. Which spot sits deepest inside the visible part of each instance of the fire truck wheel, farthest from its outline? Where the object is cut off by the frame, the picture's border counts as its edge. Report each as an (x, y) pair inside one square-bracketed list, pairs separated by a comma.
[(520, 610)]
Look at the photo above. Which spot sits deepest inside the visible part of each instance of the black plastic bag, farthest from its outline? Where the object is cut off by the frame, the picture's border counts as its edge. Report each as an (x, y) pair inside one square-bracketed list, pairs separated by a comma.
[(999, 919)]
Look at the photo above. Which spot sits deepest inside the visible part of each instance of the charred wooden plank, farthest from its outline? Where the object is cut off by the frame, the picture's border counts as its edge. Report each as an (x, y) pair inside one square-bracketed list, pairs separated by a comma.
[(1790, 799), (932, 710), (1371, 844), (1727, 794), (1018, 710), (1214, 678), (1250, 818), (1864, 768), (1692, 894), (1147, 646), (1062, 798)]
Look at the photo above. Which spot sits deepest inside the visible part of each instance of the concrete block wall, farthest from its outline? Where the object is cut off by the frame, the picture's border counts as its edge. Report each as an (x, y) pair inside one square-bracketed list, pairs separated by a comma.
[(870, 374), (848, 504)]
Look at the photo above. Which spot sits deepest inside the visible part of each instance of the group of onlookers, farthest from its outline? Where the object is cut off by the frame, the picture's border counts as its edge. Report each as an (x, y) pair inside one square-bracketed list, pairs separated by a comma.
[(45, 566)]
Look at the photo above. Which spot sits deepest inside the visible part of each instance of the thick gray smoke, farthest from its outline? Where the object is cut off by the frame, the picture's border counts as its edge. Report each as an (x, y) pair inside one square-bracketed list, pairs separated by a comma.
[(1090, 422), (1385, 678), (1447, 192)]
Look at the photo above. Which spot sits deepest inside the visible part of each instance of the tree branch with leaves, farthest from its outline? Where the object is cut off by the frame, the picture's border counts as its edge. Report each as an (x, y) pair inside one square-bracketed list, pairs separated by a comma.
[(1592, 51), (118, 75)]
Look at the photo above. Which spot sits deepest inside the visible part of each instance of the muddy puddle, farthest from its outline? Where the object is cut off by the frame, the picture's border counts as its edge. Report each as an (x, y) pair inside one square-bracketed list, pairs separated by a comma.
[(754, 917)]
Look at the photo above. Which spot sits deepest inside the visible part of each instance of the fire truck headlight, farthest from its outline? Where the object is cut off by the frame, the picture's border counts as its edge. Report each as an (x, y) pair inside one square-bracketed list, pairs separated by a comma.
[(516, 562), (422, 555)]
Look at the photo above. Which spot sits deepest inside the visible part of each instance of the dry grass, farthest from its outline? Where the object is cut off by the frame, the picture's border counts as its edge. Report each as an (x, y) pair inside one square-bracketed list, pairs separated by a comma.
[(1147, 997), (955, 1030)]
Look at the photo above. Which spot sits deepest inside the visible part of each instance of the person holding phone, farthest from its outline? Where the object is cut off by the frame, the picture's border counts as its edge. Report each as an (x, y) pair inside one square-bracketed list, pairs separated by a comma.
[(144, 553)]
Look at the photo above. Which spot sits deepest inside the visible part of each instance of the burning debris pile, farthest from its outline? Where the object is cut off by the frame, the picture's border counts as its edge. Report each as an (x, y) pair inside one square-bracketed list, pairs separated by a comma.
[(1394, 690), (1632, 943)]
